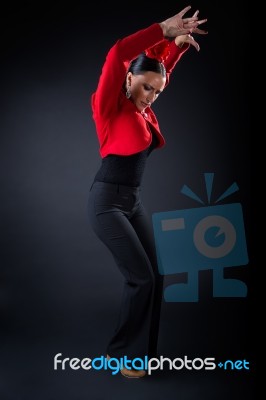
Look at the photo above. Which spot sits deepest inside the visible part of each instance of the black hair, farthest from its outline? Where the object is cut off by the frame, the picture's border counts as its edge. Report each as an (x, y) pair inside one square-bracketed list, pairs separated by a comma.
[(143, 64)]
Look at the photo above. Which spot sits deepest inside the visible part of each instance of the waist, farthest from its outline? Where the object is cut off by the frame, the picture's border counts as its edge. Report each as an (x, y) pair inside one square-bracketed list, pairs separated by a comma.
[(116, 187)]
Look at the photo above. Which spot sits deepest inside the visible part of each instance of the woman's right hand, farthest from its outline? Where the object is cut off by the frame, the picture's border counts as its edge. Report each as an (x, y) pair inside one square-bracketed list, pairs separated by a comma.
[(177, 25), (181, 39)]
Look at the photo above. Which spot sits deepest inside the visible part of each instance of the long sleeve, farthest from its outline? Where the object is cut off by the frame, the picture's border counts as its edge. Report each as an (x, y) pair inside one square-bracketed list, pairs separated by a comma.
[(176, 53), (120, 127), (105, 99)]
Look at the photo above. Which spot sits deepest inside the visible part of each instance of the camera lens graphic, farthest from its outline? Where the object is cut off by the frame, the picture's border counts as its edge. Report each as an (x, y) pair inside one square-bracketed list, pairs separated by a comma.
[(223, 227)]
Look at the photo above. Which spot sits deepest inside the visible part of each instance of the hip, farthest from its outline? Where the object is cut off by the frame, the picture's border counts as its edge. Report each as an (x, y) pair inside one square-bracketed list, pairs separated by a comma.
[(105, 197)]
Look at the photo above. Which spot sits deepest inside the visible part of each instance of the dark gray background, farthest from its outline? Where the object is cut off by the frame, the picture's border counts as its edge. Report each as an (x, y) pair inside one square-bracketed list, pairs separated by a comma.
[(59, 287)]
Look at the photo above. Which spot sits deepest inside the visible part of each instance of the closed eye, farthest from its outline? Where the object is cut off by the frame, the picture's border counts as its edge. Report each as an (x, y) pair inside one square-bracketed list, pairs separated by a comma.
[(150, 88)]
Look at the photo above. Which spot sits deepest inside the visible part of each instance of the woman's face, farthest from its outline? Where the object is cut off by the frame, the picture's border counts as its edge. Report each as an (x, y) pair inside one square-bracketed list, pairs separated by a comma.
[(145, 88)]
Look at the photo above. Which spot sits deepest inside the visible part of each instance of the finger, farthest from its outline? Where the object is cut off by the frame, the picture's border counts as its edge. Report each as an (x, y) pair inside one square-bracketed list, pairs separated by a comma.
[(188, 20), (190, 39), (194, 25), (199, 31), (196, 13), (183, 32), (190, 25), (202, 21), (184, 11), (193, 43)]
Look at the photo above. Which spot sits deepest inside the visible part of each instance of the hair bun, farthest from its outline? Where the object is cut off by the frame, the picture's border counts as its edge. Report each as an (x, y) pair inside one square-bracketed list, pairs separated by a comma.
[(160, 51)]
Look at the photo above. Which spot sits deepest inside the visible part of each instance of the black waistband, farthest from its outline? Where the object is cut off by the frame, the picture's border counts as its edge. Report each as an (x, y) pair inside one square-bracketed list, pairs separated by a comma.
[(115, 187)]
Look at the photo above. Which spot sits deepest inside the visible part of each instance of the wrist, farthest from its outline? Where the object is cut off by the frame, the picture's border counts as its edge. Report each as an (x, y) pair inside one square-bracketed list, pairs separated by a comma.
[(163, 27)]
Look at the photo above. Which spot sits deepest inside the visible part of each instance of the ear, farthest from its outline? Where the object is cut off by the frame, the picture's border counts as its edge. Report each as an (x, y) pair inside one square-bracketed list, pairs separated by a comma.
[(129, 76)]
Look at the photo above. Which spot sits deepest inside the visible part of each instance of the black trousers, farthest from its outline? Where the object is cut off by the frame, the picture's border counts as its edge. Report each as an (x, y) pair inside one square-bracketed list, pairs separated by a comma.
[(118, 218)]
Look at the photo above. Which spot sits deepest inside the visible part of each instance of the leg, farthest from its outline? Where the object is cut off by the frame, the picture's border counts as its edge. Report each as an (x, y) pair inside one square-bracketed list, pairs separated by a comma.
[(109, 217), (142, 225)]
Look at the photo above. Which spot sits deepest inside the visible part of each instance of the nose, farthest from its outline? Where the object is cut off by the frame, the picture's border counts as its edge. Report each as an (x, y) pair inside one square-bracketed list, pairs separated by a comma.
[(151, 98)]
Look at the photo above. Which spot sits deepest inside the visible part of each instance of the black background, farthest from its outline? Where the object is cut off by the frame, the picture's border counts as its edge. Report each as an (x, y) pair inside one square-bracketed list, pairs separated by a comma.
[(59, 287)]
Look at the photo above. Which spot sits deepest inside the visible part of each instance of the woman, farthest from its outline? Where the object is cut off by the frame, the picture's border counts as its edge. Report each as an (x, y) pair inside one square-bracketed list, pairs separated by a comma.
[(136, 71)]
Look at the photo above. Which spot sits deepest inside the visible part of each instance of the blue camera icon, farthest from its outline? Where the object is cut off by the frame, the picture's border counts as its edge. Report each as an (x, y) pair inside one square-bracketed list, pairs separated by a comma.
[(202, 238)]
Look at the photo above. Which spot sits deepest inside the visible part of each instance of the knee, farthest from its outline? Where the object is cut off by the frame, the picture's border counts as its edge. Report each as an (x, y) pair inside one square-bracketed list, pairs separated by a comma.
[(147, 281)]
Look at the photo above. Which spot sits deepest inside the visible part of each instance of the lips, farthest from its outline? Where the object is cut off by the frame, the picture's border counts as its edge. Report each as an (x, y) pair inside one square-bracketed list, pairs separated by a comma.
[(144, 104)]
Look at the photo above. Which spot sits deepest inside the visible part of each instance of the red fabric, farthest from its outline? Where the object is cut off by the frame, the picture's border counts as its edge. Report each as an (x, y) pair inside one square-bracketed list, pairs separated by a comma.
[(120, 126)]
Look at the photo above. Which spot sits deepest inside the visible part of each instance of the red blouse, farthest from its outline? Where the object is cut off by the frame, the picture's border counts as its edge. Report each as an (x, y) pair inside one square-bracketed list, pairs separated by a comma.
[(120, 126)]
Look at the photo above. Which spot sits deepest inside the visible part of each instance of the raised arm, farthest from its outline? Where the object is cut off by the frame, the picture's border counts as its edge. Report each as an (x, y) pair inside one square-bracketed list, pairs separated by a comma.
[(181, 42), (105, 99)]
